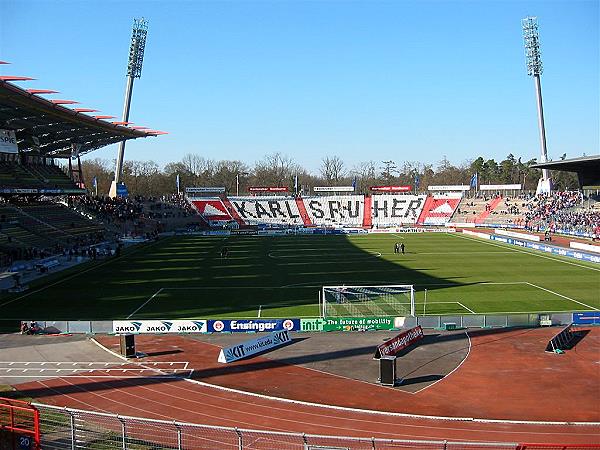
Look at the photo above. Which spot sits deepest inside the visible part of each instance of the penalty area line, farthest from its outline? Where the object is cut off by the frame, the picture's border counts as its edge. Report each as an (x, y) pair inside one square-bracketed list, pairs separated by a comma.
[(145, 303), (468, 309)]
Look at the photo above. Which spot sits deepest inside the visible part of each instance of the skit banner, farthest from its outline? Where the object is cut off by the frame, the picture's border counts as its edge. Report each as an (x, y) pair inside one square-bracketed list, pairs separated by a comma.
[(253, 346), (400, 342), (234, 326), (8, 142), (159, 326)]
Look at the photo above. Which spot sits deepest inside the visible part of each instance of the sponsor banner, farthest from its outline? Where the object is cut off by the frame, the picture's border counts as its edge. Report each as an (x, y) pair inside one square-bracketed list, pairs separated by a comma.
[(499, 187), (308, 325), (476, 234), (391, 188), (414, 230), (582, 246), (217, 233), (19, 191), (587, 318), (246, 325), (268, 189), (529, 237), (159, 326), (243, 232), (271, 210), (400, 342), (454, 187), (357, 323), (548, 249), (8, 142), (254, 346), (333, 189), (205, 190)]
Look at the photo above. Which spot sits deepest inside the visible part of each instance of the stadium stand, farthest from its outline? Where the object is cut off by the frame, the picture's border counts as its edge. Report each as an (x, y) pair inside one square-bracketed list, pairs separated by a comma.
[(439, 208), (395, 210), (336, 210), (273, 210), (212, 210)]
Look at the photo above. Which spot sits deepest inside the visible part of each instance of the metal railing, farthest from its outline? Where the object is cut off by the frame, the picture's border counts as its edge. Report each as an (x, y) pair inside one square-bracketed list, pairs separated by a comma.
[(70, 429), (427, 321)]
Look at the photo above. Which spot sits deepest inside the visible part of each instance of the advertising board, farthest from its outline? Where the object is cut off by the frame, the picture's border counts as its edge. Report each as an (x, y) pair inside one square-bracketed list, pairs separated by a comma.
[(357, 323), (399, 342), (8, 142), (159, 326), (268, 189), (246, 325), (391, 188), (333, 189), (254, 346)]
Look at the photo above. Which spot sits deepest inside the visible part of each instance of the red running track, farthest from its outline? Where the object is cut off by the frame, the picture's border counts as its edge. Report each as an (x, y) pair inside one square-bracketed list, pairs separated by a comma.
[(499, 377)]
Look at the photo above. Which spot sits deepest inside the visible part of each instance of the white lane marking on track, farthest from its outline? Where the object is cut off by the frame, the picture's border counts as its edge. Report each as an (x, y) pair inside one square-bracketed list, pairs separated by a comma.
[(339, 408)]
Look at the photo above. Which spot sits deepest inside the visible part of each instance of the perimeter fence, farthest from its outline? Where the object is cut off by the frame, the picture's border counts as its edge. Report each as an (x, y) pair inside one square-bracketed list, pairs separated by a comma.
[(70, 429)]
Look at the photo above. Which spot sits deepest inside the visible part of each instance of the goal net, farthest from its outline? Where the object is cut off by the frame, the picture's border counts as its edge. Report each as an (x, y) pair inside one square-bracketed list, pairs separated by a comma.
[(368, 301)]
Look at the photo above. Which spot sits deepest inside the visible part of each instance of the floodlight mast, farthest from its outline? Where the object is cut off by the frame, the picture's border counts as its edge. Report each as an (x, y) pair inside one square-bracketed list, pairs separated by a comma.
[(134, 70), (535, 68)]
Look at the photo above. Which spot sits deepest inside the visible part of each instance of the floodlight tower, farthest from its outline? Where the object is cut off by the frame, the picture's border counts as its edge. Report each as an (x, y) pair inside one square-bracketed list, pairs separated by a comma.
[(134, 70), (534, 69)]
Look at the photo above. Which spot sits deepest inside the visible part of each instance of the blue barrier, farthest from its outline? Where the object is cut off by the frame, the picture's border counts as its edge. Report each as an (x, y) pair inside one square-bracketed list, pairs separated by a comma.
[(548, 248), (587, 318)]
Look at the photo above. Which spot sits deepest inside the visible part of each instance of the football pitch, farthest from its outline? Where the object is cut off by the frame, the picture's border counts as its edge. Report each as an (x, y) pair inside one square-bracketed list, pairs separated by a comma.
[(281, 276)]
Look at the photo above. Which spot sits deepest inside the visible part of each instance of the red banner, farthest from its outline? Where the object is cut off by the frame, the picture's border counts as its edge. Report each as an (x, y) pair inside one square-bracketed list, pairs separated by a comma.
[(267, 189), (391, 188), (400, 342)]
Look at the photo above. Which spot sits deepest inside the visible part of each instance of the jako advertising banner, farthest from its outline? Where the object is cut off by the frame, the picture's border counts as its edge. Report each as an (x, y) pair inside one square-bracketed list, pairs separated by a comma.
[(159, 326), (253, 346), (243, 326)]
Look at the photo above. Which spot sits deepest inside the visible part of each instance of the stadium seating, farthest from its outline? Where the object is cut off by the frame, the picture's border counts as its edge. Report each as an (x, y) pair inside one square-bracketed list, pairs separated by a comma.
[(439, 208), (33, 176), (266, 210), (335, 210), (395, 210)]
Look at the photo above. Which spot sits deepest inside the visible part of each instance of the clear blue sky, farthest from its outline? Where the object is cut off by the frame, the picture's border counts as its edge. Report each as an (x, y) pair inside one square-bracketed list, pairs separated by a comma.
[(400, 80)]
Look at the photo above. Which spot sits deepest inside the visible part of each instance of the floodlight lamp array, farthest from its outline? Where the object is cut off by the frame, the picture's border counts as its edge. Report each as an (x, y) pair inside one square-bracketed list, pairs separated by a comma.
[(532, 46), (136, 49)]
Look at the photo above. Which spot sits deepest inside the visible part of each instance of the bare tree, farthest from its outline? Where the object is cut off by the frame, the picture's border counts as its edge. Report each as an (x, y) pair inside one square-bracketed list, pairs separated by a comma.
[(332, 169), (275, 169)]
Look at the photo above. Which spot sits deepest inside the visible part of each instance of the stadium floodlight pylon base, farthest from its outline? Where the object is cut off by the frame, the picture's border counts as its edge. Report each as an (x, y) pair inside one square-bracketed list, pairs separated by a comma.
[(367, 301)]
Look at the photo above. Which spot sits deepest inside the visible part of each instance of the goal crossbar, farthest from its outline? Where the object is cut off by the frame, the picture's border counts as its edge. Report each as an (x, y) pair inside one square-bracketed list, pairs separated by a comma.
[(367, 300)]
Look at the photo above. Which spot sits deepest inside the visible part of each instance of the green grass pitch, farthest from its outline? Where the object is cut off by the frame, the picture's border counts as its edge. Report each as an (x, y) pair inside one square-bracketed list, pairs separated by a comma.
[(185, 277)]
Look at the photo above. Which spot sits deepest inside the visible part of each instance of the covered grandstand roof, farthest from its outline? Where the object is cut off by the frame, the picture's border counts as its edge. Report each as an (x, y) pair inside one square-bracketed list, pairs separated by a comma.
[(586, 167), (50, 128)]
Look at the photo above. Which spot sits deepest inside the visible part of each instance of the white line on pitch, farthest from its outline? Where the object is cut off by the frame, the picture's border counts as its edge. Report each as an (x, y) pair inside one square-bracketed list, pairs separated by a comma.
[(144, 304), (468, 309), (530, 252), (563, 296), (259, 310)]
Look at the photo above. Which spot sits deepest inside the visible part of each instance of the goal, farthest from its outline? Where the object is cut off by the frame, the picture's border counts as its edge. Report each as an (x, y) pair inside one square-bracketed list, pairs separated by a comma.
[(368, 301)]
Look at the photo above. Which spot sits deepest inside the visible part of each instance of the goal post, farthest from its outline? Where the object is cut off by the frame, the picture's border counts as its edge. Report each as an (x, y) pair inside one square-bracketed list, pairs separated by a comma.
[(367, 301)]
